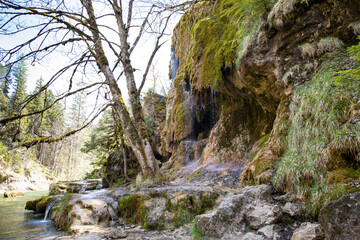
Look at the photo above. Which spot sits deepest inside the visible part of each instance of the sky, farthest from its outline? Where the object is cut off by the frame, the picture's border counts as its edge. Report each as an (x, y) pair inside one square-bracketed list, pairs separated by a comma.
[(53, 62)]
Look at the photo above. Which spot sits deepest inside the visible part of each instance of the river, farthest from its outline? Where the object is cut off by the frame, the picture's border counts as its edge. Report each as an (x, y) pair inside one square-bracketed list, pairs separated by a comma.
[(18, 223)]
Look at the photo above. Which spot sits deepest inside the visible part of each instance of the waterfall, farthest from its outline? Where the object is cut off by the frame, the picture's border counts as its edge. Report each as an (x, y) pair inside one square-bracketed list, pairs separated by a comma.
[(49, 209), (174, 64)]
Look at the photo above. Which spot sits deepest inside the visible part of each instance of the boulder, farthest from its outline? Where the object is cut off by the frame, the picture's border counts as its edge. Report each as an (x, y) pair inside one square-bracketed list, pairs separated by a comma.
[(13, 194), (217, 222), (269, 231), (93, 208), (250, 206), (39, 205), (340, 219), (292, 209), (261, 214), (308, 231), (154, 109), (114, 167)]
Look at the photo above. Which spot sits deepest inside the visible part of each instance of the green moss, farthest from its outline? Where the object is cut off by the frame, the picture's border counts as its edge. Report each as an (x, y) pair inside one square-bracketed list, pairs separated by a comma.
[(185, 210), (61, 211), (44, 203), (119, 182), (259, 145), (159, 107), (132, 209), (31, 205), (195, 232), (180, 121), (197, 174), (217, 35)]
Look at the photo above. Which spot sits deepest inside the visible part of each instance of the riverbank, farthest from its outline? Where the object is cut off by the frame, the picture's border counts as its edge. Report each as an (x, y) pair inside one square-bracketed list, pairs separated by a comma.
[(32, 177)]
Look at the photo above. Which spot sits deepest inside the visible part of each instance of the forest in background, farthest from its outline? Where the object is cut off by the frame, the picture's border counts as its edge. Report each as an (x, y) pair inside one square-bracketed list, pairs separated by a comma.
[(65, 159)]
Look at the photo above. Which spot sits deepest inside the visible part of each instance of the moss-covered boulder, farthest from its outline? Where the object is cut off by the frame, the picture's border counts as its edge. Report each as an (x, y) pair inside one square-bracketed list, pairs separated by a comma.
[(166, 207), (75, 211), (40, 204), (61, 212)]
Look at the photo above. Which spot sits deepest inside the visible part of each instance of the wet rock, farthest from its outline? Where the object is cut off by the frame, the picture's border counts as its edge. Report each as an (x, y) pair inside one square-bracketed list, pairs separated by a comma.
[(76, 210), (40, 204), (308, 231), (165, 207), (61, 188), (157, 215), (252, 236), (339, 219)]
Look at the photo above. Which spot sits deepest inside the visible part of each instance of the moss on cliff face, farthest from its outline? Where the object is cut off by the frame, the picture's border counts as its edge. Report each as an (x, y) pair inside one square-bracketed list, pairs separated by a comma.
[(217, 35)]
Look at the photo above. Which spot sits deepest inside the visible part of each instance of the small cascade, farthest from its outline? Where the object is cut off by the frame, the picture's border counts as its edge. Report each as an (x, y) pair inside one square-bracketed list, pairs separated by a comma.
[(49, 209), (83, 188)]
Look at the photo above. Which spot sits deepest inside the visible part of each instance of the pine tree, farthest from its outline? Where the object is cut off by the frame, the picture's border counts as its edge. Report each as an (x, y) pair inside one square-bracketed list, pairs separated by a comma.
[(18, 75)]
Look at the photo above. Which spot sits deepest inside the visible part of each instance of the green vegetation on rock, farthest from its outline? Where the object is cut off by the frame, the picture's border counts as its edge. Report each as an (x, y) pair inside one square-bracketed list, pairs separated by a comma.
[(220, 34), (321, 138), (60, 212), (132, 209)]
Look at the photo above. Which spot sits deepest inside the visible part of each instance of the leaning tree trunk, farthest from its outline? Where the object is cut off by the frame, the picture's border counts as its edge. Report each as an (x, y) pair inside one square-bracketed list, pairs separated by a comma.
[(135, 131)]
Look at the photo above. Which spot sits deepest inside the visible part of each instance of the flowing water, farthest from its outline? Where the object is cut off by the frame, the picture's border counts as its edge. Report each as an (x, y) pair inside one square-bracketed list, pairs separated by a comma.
[(18, 223)]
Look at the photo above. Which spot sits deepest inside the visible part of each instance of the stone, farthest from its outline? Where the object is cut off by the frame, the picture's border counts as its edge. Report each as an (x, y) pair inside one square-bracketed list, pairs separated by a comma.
[(114, 167), (257, 193), (308, 231), (154, 109), (8, 194), (270, 232), (117, 233), (74, 211), (252, 203), (291, 209), (216, 223), (340, 219), (261, 214), (252, 236)]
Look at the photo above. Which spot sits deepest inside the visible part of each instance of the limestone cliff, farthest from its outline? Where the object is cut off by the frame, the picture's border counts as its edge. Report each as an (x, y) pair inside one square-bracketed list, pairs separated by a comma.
[(254, 82)]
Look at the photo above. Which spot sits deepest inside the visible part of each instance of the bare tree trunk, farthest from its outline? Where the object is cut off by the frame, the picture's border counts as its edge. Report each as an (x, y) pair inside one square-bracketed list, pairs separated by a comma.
[(135, 131)]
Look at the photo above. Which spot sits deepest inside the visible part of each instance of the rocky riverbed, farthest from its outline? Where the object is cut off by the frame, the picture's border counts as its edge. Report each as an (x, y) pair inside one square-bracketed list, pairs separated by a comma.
[(195, 211)]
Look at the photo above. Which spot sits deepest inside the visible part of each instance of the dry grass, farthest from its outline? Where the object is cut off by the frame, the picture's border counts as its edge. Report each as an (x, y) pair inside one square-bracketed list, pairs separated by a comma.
[(355, 27), (246, 43), (281, 10), (328, 44), (286, 79), (308, 50)]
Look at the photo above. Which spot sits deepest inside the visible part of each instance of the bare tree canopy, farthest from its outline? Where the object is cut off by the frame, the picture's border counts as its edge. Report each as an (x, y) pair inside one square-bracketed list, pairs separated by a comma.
[(98, 36)]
